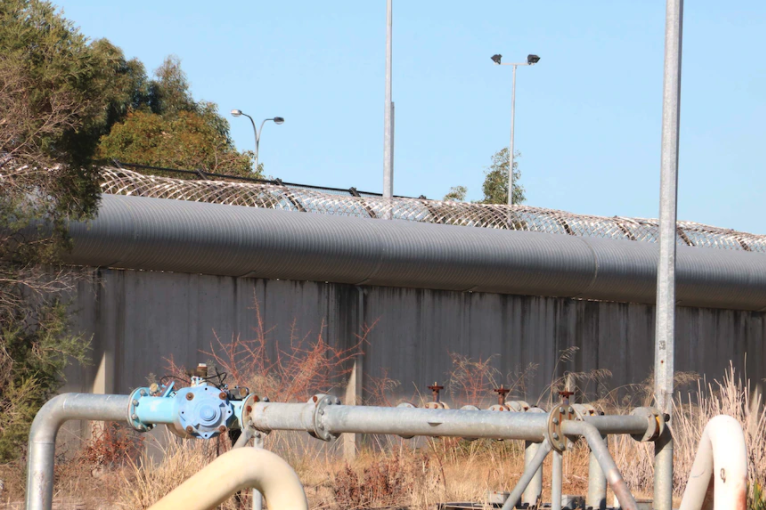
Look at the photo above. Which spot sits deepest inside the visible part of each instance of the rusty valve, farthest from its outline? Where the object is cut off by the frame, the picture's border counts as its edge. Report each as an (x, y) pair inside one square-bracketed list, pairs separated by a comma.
[(501, 394)]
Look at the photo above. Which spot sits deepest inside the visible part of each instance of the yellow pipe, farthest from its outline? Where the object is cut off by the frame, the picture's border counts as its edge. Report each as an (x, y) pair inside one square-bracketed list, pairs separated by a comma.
[(236, 470)]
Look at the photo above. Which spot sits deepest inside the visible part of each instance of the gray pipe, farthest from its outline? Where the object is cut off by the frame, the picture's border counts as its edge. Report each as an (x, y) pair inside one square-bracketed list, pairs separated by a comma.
[(338, 419), (193, 237), (557, 479), (596, 482), (42, 437), (535, 486), (601, 452), (530, 470)]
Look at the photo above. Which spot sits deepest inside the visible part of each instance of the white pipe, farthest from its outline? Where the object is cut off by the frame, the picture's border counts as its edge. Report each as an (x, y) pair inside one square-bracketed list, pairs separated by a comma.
[(722, 455), (234, 471)]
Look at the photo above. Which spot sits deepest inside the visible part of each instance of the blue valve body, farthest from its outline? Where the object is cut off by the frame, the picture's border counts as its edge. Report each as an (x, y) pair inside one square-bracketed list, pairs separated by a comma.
[(201, 411)]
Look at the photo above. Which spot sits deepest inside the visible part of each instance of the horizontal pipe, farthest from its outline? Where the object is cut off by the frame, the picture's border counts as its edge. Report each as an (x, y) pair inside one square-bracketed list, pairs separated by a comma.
[(156, 410), (193, 237), (618, 424), (268, 416), (234, 471), (45, 427), (338, 419)]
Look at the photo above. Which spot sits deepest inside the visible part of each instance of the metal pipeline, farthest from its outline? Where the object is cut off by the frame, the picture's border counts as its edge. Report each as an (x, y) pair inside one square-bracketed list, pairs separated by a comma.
[(234, 471), (557, 480), (722, 455), (530, 471), (596, 482), (535, 486), (42, 437), (608, 466), (331, 420)]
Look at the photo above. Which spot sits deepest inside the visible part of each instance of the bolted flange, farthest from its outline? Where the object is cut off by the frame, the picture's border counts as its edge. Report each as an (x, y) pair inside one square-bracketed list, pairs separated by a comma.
[(135, 401), (556, 417), (655, 423), (320, 403), (517, 406), (436, 405)]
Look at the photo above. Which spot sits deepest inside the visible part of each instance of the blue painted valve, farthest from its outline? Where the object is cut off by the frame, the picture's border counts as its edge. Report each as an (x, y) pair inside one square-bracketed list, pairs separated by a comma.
[(201, 410)]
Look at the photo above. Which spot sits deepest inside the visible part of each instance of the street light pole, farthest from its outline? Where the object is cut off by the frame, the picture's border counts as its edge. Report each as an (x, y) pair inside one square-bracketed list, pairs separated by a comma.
[(531, 60), (665, 322), (510, 155), (257, 132), (388, 128)]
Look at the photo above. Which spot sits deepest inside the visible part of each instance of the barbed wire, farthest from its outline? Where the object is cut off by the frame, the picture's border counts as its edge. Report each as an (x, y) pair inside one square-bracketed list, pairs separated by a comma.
[(293, 197)]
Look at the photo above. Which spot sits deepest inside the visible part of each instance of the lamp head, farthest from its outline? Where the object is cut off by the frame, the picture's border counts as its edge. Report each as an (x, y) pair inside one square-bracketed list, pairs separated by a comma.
[(278, 120), (236, 113), (532, 59), (497, 58)]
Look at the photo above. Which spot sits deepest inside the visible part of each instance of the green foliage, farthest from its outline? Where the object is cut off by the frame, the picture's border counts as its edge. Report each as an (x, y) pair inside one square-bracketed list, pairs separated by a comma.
[(187, 140), (758, 498), (165, 127), (56, 92), (456, 194), (54, 89), (33, 355), (495, 185)]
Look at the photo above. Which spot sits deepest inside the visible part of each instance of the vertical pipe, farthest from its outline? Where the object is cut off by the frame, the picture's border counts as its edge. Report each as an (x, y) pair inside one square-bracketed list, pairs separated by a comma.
[(510, 147), (666, 277), (42, 437), (596, 483), (535, 487), (530, 471), (388, 171), (257, 496), (663, 471), (557, 479)]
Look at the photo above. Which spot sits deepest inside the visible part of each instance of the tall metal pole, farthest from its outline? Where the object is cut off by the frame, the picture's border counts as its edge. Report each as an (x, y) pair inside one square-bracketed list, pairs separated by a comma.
[(257, 143), (666, 271), (510, 155), (388, 135)]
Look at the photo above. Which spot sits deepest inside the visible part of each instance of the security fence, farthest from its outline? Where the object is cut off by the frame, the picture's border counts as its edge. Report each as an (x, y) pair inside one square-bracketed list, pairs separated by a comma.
[(276, 194)]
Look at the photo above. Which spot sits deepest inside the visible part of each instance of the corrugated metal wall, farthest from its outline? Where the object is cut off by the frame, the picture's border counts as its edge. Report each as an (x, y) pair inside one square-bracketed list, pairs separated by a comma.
[(139, 319)]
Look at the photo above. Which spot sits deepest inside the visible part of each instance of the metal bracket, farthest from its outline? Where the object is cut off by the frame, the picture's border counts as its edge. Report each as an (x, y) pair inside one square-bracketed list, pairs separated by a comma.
[(555, 418), (135, 399), (320, 431), (655, 421)]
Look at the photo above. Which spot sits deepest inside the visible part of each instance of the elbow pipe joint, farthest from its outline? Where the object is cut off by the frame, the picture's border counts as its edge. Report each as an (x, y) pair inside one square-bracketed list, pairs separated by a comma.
[(234, 471)]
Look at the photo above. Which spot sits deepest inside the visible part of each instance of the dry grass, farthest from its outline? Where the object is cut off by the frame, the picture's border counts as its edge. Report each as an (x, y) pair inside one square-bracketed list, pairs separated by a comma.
[(391, 472)]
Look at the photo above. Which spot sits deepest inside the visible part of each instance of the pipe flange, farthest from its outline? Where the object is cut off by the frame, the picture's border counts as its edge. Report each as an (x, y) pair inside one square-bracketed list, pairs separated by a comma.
[(517, 406), (406, 405), (248, 404), (436, 405), (655, 423), (499, 408), (556, 417), (583, 410), (135, 399), (321, 402)]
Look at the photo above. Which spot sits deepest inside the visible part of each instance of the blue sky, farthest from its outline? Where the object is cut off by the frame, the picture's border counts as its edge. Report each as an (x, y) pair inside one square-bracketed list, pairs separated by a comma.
[(587, 116)]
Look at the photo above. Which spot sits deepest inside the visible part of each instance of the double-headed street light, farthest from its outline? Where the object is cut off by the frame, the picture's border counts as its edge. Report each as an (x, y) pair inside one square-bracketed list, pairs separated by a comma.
[(531, 60), (277, 120)]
